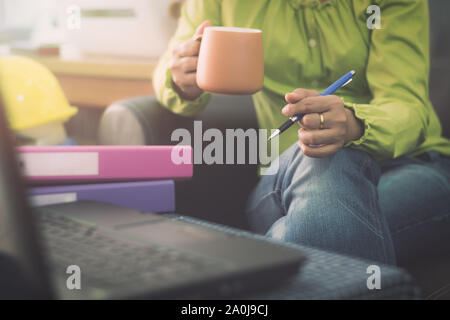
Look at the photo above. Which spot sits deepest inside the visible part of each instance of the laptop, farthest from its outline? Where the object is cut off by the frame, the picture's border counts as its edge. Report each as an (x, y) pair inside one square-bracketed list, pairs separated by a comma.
[(93, 250)]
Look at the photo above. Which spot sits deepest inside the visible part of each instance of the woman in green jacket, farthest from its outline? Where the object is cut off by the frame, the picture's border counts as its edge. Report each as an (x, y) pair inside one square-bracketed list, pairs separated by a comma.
[(379, 184)]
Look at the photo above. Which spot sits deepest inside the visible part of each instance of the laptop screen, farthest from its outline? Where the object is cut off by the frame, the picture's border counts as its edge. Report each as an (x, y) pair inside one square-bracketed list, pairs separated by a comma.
[(18, 236)]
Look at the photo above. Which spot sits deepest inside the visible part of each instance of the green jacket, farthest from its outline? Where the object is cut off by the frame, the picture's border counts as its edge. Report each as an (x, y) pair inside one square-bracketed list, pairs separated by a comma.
[(308, 44)]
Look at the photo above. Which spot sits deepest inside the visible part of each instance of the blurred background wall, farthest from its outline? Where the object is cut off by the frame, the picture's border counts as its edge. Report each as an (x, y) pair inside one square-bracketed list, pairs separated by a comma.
[(113, 27), (101, 51)]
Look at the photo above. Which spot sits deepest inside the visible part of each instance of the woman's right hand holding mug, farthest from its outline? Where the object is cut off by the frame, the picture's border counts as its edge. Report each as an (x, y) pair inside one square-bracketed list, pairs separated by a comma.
[(183, 65)]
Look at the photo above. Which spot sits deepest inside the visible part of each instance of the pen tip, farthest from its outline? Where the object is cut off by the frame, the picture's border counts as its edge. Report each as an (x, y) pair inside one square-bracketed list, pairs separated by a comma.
[(353, 72), (273, 135)]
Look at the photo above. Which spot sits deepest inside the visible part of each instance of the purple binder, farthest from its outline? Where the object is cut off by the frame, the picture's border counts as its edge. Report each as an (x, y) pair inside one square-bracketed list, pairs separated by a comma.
[(149, 196)]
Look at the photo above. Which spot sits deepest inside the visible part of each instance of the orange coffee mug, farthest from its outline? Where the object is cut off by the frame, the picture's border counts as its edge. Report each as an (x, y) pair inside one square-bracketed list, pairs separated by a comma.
[(231, 60)]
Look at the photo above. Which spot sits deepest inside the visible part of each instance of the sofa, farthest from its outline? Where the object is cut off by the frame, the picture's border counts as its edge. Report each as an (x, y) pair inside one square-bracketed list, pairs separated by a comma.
[(218, 193)]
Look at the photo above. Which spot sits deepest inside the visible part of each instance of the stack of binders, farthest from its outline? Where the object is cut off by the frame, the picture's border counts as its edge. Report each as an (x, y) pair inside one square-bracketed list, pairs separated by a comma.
[(136, 177)]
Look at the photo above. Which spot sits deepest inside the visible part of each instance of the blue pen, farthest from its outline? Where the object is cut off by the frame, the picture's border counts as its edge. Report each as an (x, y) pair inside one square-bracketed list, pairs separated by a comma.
[(342, 81)]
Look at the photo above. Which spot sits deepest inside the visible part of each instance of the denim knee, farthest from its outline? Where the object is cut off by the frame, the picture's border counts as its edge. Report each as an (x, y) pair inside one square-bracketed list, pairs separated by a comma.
[(335, 175), (332, 204)]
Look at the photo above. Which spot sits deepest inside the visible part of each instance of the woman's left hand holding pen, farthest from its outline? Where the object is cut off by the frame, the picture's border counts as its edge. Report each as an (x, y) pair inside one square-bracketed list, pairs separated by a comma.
[(327, 125)]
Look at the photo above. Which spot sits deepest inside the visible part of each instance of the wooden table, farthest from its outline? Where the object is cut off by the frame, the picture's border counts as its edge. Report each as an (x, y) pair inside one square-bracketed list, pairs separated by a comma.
[(98, 81)]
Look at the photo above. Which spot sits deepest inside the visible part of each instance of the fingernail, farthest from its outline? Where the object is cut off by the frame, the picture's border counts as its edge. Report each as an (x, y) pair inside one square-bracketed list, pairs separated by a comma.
[(285, 109)]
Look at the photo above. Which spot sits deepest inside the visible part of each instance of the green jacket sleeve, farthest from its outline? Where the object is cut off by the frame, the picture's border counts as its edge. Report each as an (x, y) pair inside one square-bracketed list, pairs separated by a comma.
[(396, 118), (194, 12)]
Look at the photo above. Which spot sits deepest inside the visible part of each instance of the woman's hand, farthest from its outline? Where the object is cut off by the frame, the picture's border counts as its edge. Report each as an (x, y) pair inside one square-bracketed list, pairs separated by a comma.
[(339, 123), (183, 65)]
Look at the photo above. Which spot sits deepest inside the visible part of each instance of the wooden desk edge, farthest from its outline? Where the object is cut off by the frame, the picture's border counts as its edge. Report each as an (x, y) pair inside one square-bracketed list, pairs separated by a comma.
[(139, 69)]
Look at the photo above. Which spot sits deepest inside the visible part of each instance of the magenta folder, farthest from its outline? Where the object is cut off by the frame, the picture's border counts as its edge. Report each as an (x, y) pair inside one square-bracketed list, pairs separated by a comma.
[(104, 163), (149, 196)]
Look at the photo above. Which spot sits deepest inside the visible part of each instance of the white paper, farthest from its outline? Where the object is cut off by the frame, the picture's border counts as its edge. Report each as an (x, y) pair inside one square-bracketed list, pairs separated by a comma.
[(36, 164), (47, 199)]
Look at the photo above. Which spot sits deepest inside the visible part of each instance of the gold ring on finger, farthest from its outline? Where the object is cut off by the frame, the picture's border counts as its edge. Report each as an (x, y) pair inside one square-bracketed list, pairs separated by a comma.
[(322, 121)]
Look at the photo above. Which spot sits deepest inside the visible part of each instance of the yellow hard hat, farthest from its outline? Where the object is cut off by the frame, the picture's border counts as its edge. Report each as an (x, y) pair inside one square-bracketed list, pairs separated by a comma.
[(31, 94)]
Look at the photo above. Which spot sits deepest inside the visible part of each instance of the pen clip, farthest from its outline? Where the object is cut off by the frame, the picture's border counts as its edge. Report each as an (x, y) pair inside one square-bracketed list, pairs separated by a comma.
[(350, 80)]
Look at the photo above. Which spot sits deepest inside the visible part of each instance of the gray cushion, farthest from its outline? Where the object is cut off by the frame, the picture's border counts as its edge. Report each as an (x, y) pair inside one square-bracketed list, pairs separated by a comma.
[(440, 61)]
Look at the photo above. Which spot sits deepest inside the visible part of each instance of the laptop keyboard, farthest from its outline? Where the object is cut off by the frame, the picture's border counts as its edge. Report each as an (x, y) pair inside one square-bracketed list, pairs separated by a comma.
[(109, 261)]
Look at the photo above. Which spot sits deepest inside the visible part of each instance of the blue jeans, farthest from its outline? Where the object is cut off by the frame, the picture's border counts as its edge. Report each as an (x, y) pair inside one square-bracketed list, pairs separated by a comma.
[(349, 203)]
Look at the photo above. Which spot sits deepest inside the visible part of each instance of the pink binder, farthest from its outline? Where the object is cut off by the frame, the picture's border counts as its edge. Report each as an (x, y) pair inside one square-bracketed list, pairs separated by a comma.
[(104, 163)]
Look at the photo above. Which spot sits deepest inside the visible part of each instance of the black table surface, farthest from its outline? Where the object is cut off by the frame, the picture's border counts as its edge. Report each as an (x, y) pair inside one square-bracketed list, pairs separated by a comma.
[(327, 275)]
